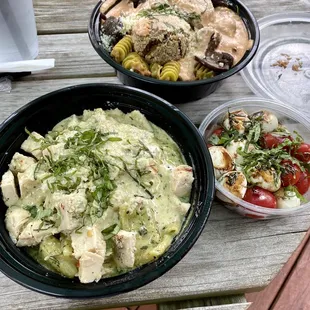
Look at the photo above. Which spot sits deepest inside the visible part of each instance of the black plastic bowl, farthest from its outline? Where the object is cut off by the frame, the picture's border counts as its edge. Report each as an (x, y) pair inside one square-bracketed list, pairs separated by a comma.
[(177, 92), (41, 115)]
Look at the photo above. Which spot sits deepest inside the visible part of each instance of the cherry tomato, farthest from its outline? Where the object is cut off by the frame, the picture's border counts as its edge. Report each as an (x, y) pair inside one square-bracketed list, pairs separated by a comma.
[(269, 141), (302, 153), (260, 197), (291, 173), (218, 132), (303, 183)]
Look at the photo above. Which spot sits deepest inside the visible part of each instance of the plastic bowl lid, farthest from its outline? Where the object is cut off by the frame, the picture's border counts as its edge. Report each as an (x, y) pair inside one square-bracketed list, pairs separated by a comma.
[(281, 68)]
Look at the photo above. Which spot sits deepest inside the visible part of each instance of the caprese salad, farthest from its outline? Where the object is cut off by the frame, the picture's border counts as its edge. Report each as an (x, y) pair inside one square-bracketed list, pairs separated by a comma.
[(258, 160)]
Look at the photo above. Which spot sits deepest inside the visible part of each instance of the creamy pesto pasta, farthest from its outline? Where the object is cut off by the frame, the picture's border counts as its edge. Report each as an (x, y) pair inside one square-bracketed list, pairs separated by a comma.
[(100, 194)]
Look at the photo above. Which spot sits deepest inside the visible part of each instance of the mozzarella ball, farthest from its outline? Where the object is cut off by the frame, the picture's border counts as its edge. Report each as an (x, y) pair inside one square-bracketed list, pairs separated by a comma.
[(222, 161), (238, 120), (267, 179), (235, 182), (269, 122), (286, 199), (233, 147)]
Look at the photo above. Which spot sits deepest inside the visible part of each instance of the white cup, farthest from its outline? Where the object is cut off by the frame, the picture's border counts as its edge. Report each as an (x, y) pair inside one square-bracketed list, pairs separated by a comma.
[(18, 32)]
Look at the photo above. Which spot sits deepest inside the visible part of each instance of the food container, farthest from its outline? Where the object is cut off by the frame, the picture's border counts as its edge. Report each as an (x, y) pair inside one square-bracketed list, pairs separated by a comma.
[(177, 92), (280, 69), (41, 115), (287, 116)]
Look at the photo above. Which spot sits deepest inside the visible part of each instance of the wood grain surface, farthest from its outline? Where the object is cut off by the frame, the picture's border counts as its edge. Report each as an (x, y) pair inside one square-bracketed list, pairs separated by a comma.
[(295, 292), (30, 88), (234, 254), (74, 57), (243, 306)]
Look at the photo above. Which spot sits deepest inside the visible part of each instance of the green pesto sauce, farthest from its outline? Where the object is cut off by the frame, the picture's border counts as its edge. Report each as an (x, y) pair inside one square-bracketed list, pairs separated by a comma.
[(108, 170)]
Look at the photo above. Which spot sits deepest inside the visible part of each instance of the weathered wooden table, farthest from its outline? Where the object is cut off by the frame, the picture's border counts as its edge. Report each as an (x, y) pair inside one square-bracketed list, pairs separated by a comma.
[(234, 255)]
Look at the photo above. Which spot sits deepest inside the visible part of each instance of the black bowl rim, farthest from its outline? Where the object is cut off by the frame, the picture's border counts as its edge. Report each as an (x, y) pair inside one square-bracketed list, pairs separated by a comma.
[(12, 268), (244, 61)]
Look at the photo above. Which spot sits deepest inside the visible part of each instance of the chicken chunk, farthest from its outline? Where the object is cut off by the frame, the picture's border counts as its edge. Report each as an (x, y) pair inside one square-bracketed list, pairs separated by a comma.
[(27, 181), (20, 162), (89, 239), (55, 151), (33, 145), (8, 188), (15, 219), (34, 232), (90, 267), (182, 179), (125, 244), (70, 207)]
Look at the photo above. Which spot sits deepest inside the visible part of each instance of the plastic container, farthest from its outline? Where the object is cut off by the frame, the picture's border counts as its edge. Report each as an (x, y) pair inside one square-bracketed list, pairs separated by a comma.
[(281, 67), (177, 92), (287, 116), (41, 115)]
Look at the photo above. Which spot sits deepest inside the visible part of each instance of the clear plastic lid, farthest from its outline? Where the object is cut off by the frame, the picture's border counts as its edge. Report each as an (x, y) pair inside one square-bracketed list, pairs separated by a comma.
[(281, 67)]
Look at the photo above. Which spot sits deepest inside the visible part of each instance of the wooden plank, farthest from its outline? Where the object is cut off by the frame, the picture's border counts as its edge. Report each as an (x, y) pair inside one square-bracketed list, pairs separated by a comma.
[(295, 292), (263, 300), (232, 256), (242, 306), (58, 16), (222, 302), (74, 57), (24, 91)]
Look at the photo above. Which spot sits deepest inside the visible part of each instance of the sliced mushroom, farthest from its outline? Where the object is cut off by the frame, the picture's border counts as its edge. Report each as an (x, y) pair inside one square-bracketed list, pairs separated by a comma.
[(216, 61), (214, 42)]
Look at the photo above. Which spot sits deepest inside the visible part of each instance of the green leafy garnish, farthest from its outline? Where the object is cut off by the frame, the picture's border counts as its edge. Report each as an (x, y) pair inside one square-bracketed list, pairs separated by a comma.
[(32, 210), (225, 138), (266, 159), (110, 231)]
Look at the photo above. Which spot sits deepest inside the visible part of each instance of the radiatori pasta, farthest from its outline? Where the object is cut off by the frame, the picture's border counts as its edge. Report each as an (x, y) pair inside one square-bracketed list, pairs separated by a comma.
[(201, 72), (122, 49), (136, 63), (170, 71), (155, 70)]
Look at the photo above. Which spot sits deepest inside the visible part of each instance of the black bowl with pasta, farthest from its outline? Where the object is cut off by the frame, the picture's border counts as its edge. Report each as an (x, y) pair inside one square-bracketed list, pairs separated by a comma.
[(41, 115), (204, 81)]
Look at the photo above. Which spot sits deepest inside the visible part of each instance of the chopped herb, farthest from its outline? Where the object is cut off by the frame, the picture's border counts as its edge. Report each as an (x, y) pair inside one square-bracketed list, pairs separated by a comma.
[(32, 210), (226, 137), (110, 231)]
